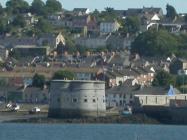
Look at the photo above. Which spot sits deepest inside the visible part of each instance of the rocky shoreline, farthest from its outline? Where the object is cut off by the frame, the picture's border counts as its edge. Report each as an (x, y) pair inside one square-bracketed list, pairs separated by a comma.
[(133, 119)]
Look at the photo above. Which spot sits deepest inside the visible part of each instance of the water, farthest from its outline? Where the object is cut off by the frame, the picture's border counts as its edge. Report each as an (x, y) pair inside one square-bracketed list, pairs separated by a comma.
[(91, 132)]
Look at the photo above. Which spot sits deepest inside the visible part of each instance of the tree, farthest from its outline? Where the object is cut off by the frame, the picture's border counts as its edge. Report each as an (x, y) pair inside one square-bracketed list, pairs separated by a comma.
[(53, 6), (3, 82), (3, 26), (43, 26), (109, 10), (71, 49), (171, 12), (181, 80), (69, 41), (38, 7), (123, 29), (17, 6), (132, 24), (38, 80), (64, 74), (95, 13), (1, 9), (19, 21), (153, 43), (129, 25), (163, 79), (108, 15), (82, 49)]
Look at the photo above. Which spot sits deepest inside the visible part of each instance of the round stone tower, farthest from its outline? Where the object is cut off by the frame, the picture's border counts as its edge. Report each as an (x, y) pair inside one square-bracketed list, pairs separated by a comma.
[(77, 98)]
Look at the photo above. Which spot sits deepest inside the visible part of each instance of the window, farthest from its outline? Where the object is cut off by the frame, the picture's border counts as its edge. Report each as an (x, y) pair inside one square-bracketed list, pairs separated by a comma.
[(58, 100), (75, 100), (85, 100), (120, 102), (124, 96), (131, 96)]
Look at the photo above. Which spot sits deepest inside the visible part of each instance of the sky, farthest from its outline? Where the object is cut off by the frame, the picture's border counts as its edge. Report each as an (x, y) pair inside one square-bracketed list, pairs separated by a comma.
[(180, 5)]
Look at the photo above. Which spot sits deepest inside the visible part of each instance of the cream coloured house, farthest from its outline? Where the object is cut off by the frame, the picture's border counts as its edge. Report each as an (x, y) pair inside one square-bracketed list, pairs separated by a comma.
[(60, 38)]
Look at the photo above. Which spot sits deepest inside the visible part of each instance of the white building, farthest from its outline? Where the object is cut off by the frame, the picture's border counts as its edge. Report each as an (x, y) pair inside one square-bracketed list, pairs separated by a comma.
[(121, 96), (129, 94), (159, 100), (109, 27), (156, 99), (3, 53)]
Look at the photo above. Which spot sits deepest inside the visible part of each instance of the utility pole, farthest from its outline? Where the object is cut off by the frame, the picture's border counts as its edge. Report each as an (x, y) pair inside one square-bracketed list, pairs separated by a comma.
[(97, 107), (183, 84)]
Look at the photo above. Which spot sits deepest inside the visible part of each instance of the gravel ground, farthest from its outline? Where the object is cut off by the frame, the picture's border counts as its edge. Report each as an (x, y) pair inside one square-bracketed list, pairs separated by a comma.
[(9, 116), (23, 113)]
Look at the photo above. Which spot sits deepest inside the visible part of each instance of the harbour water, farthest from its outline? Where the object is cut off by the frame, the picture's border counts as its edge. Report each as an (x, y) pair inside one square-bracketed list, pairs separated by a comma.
[(91, 132)]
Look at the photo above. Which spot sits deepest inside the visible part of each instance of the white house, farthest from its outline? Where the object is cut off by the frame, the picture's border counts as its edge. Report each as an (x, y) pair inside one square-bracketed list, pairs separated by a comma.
[(109, 27), (121, 96)]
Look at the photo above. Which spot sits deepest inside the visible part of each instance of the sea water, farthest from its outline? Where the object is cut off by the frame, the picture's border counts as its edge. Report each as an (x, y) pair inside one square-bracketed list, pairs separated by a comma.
[(91, 132)]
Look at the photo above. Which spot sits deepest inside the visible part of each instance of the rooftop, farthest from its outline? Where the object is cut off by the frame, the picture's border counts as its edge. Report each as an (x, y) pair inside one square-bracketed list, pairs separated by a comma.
[(77, 81)]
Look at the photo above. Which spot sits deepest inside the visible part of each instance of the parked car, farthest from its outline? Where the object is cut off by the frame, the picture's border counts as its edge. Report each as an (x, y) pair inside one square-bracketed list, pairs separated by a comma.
[(15, 107), (34, 110)]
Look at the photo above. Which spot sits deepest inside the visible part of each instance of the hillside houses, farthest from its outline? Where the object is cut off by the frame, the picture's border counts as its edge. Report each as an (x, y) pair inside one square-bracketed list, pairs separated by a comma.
[(81, 22), (27, 95), (91, 45), (116, 77), (113, 41)]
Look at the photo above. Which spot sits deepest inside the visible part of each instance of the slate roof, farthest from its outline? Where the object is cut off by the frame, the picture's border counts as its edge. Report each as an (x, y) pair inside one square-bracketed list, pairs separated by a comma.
[(125, 88), (136, 90), (151, 10), (80, 9), (133, 11), (154, 91), (126, 72), (30, 90)]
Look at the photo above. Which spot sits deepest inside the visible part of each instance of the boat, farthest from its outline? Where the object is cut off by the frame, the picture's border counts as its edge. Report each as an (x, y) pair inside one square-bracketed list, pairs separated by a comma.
[(127, 111)]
